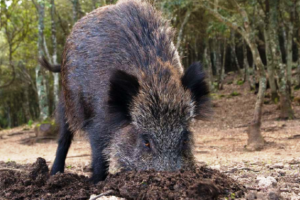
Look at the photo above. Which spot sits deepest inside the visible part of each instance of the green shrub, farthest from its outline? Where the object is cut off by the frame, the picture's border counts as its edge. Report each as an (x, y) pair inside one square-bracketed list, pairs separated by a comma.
[(240, 82), (234, 94), (29, 123)]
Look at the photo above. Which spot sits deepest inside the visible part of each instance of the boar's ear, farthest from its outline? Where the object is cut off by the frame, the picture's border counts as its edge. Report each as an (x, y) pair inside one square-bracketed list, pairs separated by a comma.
[(194, 80), (123, 88)]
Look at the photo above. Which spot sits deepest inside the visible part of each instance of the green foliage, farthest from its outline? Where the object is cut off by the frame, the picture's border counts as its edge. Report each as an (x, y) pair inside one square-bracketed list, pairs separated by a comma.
[(12, 162), (30, 122), (234, 94), (240, 82), (297, 87), (69, 167), (46, 121), (232, 195), (215, 84), (294, 66)]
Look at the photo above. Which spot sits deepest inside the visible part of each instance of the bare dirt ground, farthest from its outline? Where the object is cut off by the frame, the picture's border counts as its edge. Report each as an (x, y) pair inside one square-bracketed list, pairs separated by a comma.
[(272, 173)]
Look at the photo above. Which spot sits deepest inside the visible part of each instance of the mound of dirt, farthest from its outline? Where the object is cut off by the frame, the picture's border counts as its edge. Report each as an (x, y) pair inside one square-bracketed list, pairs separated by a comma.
[(34, 182), (202, 183)]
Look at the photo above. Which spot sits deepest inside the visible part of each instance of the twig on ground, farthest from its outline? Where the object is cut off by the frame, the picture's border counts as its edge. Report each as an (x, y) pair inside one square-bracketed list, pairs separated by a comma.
[(11, 169), (102, 194)]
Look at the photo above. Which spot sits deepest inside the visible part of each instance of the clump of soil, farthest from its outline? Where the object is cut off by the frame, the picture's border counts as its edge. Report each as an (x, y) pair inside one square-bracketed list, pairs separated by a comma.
[(34, 182), (202, 183)]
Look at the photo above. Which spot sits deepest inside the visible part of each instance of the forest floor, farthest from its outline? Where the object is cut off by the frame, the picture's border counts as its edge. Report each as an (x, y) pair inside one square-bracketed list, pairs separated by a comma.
[(272, 173)]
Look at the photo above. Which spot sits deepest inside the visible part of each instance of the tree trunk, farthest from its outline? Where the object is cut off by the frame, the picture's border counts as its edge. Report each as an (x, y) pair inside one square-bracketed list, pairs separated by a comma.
[(180, 33), (298, 68), (8, 116), (255, 138), (222, 70), (289, 57), (75, 10), (218, 58), (209, 67), (3, 8), (233, 52), (285, 103), (270, 62), (41, 87), (54, 55), (94, 4), (27, 104), (246, 66), (214, 56), (298, 43), (286, 111)]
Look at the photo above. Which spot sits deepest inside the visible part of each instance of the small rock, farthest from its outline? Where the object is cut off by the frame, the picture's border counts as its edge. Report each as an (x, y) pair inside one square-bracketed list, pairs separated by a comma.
[(254, 163), (268, 166), (286, 166), (217, 167), (247, 176), (284, 190), (266, 182), (232, 170), (273, 195), (281, 172), (251, 196), (275, 174), (294, 161), (261, 195), (278, 166)]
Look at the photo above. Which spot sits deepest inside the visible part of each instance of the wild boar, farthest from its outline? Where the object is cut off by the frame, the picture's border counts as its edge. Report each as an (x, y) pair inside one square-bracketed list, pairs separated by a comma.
[(123, 84)]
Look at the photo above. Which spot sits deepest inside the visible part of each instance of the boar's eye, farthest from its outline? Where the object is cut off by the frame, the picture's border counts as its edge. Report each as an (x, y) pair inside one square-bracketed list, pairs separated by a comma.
[(147, 144)]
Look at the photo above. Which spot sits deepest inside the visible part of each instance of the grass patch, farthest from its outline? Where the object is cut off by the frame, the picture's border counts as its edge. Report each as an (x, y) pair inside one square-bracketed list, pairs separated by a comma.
[(234, 94), (240, 82)]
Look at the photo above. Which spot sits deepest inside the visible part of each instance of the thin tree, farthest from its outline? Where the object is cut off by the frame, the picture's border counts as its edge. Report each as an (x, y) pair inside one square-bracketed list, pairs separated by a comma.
[(233, 55), (40, 82), (255, 138), (54, 55), (271, 46)]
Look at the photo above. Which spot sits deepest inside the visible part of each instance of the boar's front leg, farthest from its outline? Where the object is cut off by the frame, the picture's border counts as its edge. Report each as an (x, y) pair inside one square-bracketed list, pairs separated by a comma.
[(99, 162)]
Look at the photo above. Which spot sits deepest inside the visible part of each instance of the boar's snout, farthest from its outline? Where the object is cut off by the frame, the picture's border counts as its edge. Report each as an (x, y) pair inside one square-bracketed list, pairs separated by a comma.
[(170, 162)]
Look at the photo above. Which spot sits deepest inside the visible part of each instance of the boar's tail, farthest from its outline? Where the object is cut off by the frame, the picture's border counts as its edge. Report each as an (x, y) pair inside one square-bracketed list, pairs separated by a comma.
[(53, 68)]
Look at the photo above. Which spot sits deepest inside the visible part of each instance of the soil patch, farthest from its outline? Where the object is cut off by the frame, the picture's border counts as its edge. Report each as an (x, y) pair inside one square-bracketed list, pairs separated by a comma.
[(34, 182)]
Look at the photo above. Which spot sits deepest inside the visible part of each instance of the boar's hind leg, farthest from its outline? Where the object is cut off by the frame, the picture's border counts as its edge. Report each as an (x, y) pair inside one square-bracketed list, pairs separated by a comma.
[(64, 142)]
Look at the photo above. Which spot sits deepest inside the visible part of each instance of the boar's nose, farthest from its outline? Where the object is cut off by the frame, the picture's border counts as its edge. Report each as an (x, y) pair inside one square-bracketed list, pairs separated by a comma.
[(171, 162)]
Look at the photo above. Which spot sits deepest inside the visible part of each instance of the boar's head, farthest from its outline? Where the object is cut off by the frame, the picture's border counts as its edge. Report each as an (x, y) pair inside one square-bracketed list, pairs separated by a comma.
[(153, 111)]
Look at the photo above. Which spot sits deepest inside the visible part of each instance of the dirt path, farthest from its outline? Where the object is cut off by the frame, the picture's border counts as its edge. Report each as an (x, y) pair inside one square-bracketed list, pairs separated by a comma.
[(220, 144)]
